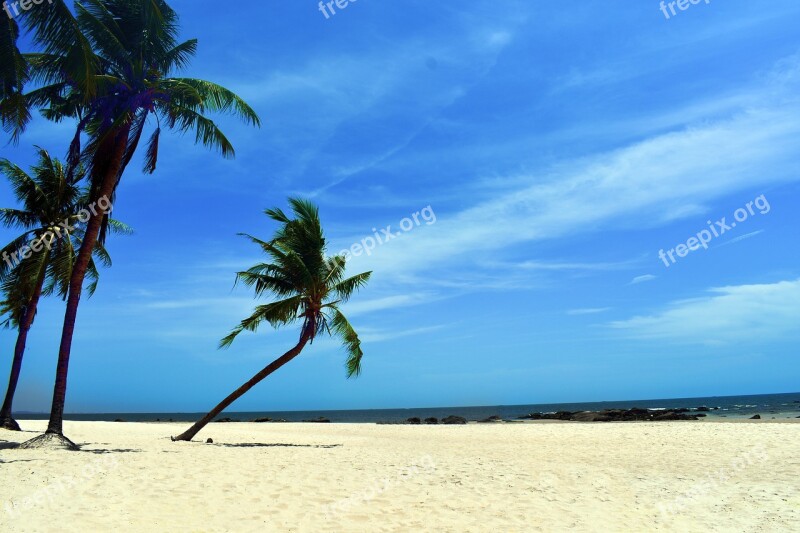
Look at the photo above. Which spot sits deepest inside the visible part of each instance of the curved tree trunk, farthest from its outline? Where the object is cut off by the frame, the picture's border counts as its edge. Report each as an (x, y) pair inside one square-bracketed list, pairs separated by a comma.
[(114, 146), (6, 418), (238, 393)]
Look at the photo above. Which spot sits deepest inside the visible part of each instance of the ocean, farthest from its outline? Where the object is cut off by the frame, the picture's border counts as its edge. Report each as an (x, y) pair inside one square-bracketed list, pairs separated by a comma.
[(778, 406)]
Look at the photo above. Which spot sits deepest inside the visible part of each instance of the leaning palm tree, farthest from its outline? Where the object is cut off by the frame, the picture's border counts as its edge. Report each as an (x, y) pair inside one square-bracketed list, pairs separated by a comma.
[(39, 262), (112, 77), (309, 288)]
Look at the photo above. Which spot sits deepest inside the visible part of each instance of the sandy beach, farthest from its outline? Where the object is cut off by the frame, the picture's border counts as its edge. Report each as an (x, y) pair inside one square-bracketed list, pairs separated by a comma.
[(707, 476)]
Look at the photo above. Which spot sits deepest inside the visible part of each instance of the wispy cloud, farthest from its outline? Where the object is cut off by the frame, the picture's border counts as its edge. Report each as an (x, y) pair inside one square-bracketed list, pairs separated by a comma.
[(743, 313), (373, 335), (651, 181), (588, 311), (643, 279), (740, 238)]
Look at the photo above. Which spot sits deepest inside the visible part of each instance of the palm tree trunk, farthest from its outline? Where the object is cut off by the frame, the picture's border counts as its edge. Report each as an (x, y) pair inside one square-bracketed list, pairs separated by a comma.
[(238, 393), (115, 146), (6, 417)]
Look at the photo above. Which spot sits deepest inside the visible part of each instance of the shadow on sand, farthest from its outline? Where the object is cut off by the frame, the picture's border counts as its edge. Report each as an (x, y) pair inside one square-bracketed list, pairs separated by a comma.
[(274, 445), (109, 450)]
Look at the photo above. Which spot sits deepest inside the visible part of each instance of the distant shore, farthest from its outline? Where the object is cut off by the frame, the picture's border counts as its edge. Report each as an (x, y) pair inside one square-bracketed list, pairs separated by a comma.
[(780, 406)]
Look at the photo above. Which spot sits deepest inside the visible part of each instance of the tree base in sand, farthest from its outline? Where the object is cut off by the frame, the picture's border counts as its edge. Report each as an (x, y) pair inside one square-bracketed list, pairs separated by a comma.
[(49, 441), (9, 424)]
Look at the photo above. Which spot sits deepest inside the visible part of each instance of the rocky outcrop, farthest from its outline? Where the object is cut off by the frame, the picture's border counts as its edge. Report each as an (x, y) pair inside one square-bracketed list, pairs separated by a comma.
[(615, 415), (451, 420)]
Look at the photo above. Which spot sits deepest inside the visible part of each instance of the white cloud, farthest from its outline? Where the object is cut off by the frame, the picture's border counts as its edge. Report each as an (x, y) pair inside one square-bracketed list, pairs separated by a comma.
[(643, 279), (359, 307), (588, 311), (740, 238), (754, 313), (645, 184), (370, 335)]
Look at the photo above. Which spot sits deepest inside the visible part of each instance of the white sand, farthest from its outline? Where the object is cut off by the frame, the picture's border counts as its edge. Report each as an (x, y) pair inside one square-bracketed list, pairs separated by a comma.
[(510, 477)]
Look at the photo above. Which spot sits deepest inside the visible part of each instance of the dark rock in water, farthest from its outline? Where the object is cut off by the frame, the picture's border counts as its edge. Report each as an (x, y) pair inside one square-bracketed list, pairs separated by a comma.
[(589, 416), (491, 419), (433, 420), (413, 420), (672, 415), (224, 420), (320, 420), (454, 420), (715, 408), (755, 417), (701, 415), (262, 420), (119, 420), (703, 409), (616, 415), (210, 441)]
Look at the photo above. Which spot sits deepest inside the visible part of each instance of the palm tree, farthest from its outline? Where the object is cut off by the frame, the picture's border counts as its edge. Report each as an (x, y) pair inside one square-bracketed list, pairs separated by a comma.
[(13, 69), (112, 90), (310, 288), (54, 30), (47, 198)]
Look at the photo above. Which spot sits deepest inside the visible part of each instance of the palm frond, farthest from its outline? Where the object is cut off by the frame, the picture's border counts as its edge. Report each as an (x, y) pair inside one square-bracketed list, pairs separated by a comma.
[(221, 100), (276, 313), (344, 289), (342, 328)]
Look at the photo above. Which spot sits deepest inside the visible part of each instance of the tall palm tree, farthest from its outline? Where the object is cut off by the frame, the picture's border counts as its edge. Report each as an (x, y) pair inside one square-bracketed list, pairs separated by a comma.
[(49, 203), (112, 93), (309, 288), (13, 69)]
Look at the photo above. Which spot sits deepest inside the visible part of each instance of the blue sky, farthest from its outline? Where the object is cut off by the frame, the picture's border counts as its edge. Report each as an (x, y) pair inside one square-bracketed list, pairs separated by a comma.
[(560, 149)]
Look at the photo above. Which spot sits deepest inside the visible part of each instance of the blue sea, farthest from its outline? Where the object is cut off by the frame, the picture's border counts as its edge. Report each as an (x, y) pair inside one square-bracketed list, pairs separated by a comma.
[(778, 406)]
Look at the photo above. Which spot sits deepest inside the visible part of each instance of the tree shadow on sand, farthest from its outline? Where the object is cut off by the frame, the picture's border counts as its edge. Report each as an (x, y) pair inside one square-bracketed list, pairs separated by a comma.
[(100, 451), (273, 445), (6, 445)]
